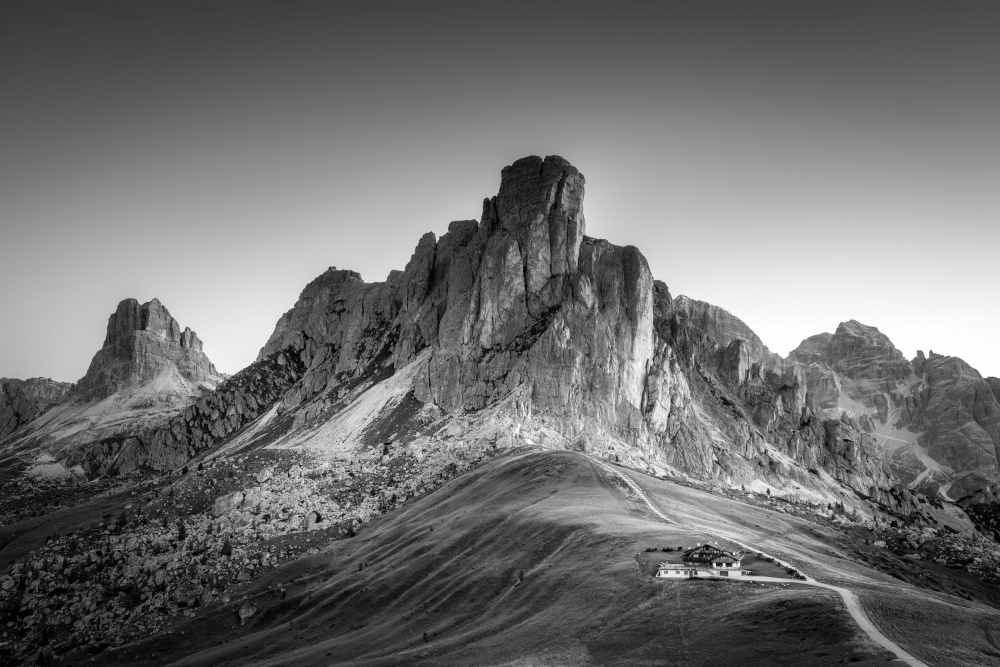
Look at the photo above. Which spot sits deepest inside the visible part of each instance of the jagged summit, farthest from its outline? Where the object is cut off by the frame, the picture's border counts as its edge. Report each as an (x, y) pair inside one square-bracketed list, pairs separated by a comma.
[(538, 330), (143, 341), (856, 350)]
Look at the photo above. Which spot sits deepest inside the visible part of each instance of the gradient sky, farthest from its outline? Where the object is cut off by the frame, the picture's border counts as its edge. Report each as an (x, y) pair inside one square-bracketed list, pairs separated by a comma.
[(798, 163)]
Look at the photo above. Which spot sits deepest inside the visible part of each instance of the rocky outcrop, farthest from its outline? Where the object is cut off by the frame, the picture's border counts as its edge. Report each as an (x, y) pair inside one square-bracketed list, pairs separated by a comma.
[(856, 369), (143, 343), (147, 372), (959, 415), (762, 424), (520, 299), (21, 401), (935, 417), (994, 384), (523, 306), (859, 351), (723, 328), (214, 417)]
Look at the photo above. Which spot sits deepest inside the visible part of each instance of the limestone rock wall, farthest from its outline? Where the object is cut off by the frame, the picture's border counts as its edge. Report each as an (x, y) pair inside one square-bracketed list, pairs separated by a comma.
[(938, 404), (756, 419), (21, 401), (142, 342), (235, 403), (857, 368), (960, 417), (523, 303)]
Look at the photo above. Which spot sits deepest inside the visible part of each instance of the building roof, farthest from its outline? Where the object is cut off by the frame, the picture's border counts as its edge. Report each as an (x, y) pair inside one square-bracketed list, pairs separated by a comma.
[(706, 552)]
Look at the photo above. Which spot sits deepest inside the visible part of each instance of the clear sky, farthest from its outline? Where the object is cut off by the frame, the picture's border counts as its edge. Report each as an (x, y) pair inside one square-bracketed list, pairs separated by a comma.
[(798, 163)]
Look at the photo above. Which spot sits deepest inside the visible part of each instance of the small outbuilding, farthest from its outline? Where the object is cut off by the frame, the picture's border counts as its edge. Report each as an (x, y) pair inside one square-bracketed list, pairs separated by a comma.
[(676, 571)]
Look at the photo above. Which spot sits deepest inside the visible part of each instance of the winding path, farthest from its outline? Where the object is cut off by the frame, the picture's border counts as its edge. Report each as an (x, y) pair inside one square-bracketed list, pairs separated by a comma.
[(850, 599)]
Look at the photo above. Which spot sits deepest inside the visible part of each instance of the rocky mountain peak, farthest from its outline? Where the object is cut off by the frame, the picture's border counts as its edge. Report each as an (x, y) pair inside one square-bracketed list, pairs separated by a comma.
[(540, 206), (143, 341), (131, 316), (812, 349), (719, 324), (856, 350)]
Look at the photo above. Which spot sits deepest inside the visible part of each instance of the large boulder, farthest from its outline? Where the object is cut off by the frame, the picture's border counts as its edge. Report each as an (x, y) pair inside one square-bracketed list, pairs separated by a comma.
[(227, 503)]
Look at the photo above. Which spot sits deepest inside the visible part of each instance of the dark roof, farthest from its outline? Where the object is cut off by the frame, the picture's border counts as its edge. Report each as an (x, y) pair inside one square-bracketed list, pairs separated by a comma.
[(708, 552)]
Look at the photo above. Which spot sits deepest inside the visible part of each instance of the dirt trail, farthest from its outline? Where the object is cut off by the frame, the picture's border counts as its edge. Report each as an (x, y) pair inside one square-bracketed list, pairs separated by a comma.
[(851, 600)]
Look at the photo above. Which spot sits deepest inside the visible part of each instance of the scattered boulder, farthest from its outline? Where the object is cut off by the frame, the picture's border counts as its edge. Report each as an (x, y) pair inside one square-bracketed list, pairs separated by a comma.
[(227, 503), (246, 612)]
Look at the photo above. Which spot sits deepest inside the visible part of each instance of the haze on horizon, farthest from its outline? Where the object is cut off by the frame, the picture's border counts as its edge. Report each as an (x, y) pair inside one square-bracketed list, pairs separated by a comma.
[(799, 164)]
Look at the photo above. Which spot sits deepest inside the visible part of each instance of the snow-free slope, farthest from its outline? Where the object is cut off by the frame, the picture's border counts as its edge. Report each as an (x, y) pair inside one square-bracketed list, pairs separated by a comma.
[(532, 559)]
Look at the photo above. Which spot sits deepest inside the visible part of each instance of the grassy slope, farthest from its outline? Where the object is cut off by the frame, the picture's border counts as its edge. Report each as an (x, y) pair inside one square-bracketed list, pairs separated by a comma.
[(938, 628), (450, 565)]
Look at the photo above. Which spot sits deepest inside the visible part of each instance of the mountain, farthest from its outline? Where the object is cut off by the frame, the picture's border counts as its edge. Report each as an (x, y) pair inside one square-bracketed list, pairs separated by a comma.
[(145, 345), (147, 371), (469, 462), (936, 418), (569, 342)]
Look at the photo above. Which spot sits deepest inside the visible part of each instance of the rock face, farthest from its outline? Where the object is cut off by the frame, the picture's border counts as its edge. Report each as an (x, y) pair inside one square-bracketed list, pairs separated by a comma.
[(581, 347), (994, 386), (594, 353), (935, 417), (959, 416), (853, 370), (143, 343), (771, 429), (21, 401), (147, 372), (169, 444)]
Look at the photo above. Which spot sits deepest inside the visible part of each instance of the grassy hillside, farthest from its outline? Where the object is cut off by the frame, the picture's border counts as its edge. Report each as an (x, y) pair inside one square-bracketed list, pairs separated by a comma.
[(528, 559)]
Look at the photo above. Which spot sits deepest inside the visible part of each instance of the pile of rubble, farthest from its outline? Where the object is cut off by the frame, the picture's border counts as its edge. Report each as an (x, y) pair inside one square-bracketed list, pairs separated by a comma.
[(971, 553)]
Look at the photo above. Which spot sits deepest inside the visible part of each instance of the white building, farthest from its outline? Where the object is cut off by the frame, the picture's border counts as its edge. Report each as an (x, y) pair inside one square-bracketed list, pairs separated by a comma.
[(676, 571), (704, 561)]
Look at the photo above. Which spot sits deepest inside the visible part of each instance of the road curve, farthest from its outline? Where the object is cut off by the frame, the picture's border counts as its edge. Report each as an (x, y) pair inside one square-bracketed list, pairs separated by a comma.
[(850, 599)]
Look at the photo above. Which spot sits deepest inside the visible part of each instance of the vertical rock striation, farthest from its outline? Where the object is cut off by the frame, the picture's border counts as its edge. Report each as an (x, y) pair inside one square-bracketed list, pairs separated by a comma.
[(142, 342), (523, 304), (935, 417)]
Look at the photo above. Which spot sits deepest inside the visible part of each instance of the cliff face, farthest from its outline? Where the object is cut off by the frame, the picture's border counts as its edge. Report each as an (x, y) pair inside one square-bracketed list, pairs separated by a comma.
[(936, 419), (959, 417), (771, 428), (856, 369), (520, 299), (520, 327), (143, 342), (21, 401), (147, 371), (593, 352)]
